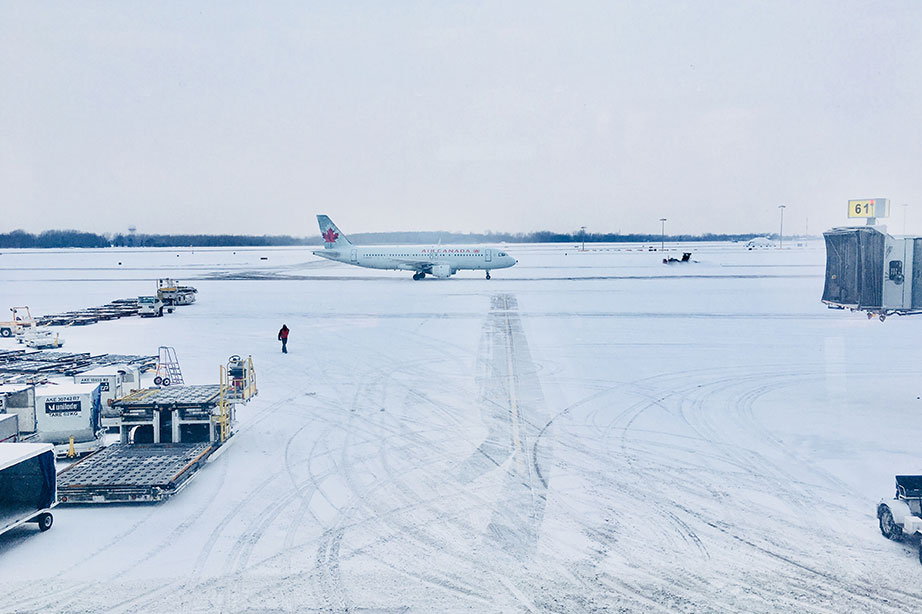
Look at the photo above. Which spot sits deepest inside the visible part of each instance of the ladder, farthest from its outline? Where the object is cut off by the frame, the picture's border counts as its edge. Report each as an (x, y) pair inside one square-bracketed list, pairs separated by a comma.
[(168, 371)]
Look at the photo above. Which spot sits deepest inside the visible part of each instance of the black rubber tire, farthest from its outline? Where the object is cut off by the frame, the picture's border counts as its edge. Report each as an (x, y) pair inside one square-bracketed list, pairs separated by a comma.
[(882, 317), (166, 381), (488, 276), (6, 332), (160, 313), (888, 528), (45, 520), (158, 380)]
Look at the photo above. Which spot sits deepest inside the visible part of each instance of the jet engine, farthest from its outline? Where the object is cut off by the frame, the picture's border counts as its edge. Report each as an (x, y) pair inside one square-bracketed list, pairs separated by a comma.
[(442, 271)]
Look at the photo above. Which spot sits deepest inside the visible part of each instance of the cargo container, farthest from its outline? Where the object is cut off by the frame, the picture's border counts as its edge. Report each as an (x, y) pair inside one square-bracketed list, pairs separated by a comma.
[(115, 381), (69, 413), (19, 399), (28, 485)]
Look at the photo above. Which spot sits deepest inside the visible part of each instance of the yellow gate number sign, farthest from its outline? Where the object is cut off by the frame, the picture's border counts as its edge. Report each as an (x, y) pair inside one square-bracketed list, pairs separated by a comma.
[(871, 207)]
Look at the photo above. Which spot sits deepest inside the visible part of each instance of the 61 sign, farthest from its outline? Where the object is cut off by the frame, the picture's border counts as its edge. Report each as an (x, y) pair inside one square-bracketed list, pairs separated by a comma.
[(872, 207)]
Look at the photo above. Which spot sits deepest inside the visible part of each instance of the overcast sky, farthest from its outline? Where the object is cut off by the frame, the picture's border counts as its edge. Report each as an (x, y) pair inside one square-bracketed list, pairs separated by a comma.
[(216, 117)]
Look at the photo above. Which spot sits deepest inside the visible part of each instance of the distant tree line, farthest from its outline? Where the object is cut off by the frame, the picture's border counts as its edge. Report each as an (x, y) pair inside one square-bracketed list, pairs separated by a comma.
[(144, 240), (52, 238), (76, 238)]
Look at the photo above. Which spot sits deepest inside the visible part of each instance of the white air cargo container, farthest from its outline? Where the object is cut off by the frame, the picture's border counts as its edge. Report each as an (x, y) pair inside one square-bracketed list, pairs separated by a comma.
[(63, 411), (19, 399), (115, 381), (9, 428)]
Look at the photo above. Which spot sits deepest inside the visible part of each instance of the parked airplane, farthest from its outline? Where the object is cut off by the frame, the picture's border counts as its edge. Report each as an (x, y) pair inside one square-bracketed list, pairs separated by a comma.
[(441, 262)]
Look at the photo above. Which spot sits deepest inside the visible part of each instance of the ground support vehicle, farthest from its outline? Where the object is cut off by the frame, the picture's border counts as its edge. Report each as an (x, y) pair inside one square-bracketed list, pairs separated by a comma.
[(152, 307), (133, 473), (41, 338), (27, 485), (22, 319), (178, 414), (902, 516), (171, 293)]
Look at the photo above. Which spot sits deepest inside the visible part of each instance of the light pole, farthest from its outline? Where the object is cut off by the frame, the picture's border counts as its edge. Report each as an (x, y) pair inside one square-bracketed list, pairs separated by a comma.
[(662, 236), (582, 232), (905, 206), (781, 234)]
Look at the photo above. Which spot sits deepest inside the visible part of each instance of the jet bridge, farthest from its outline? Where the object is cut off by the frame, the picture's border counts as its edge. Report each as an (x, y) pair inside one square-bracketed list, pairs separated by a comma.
[(869, 270)]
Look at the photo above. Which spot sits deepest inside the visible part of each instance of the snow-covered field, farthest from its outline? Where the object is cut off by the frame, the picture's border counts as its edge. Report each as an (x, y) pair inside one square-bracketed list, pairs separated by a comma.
[(584, 432)]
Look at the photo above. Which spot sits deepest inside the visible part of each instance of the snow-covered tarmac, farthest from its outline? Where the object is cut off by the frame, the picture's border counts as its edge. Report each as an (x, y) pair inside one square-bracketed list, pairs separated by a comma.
[(585, 432)]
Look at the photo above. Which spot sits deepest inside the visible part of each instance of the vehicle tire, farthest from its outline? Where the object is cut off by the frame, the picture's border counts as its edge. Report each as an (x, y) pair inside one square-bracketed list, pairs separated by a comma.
[(160, 313), (45, 520), (158, 380), (870, 316), (888, 528), (166, 381), (6, 332), (882, 317)]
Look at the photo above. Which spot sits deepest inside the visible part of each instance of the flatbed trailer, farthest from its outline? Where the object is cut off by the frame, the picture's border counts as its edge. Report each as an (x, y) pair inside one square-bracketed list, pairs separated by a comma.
[(133, 473)]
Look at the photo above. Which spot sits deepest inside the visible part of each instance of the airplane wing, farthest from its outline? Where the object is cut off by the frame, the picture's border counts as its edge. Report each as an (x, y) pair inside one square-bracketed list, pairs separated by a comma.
[(415, 264)]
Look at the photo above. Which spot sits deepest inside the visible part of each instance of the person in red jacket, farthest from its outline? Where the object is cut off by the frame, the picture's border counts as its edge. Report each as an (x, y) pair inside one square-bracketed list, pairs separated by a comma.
[(283, 337)]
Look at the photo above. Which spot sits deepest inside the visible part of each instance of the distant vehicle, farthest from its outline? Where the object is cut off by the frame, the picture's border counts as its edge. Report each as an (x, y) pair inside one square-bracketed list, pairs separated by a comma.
[(41, 338), (22, 319), (171, 293), (438, 261), (150, 306), (902, 516), (760, 243)]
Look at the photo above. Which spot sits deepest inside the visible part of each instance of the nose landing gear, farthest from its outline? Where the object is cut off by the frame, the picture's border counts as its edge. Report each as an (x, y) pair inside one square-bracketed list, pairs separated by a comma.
[(488, 274)]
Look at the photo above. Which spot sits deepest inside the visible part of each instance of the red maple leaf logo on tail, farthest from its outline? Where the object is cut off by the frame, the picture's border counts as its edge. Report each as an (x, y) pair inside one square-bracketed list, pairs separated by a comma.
[(330, 235)]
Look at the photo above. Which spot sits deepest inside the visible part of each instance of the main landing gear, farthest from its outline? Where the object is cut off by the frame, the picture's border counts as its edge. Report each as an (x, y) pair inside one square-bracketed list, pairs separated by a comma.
[(488, 274), (419, 275)]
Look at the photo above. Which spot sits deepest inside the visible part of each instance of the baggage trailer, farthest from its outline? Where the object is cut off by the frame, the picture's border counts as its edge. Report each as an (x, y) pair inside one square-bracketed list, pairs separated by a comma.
[(133, 473), (27, 485)]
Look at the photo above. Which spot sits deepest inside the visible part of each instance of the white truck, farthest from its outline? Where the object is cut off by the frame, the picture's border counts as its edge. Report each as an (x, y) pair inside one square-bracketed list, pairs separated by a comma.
[(150, 306), (28, 485)]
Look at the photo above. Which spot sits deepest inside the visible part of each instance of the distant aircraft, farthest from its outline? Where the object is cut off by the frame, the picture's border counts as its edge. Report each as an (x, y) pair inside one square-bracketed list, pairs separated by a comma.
[(438, 261)]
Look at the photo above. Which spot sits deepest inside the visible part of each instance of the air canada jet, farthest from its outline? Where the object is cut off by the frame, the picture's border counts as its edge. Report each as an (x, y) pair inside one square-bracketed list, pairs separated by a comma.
[(438, 261)]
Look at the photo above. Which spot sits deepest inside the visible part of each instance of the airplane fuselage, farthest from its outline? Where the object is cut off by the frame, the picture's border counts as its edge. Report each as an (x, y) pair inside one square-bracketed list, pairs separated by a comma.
[(409, 258)]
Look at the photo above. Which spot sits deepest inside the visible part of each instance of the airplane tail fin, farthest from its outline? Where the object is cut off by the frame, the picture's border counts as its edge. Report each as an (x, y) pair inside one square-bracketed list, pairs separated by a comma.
[(332, 237)]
